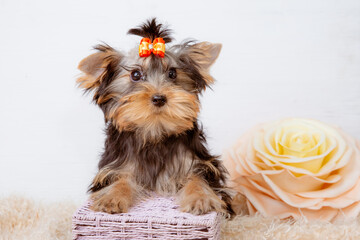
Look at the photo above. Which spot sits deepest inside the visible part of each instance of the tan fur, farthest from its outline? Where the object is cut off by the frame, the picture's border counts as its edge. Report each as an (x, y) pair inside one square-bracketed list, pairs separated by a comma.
[(209, 53), (208, 78), (138, 113), (117, 197), (135, 111), (238, 204), (105, 98), (106, 173), (214, 169), (93, 67), (197, 197)]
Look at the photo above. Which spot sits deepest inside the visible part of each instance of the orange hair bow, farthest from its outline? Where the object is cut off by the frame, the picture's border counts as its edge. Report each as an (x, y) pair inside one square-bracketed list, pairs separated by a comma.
[(158, 47)]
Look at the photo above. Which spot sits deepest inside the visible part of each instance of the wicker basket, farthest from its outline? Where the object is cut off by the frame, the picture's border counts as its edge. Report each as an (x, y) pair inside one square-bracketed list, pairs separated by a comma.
[(157, 217)]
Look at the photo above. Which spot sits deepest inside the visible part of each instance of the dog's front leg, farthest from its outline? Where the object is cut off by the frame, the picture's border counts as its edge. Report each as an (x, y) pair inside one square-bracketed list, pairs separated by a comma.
[(197, 197), (117, 197)]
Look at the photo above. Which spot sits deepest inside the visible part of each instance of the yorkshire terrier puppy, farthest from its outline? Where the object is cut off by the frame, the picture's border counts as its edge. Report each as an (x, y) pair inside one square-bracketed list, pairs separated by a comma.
[(150, 100)]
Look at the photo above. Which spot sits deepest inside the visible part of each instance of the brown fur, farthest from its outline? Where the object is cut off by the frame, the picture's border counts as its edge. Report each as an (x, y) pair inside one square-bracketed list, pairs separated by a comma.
[(205, 54), (95, 65), (151, 148), (117, 197), (139, 114), (198, 198)]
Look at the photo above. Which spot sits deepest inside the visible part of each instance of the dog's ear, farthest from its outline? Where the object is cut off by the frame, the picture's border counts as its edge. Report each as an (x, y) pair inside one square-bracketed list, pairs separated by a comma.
[(97, 66), (204, 54)]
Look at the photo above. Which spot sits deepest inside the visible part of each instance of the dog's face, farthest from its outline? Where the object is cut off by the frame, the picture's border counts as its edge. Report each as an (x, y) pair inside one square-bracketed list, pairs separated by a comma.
[(152, 96)]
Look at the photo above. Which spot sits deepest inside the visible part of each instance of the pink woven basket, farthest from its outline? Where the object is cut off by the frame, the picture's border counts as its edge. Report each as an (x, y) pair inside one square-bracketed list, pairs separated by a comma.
[(157, 217)]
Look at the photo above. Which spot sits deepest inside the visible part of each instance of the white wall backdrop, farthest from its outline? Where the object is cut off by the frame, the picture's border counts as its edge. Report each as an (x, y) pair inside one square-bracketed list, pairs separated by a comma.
[(279, 58)]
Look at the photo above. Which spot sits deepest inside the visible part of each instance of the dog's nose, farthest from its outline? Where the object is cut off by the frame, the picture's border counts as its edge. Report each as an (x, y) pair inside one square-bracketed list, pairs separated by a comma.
[(158, 100)]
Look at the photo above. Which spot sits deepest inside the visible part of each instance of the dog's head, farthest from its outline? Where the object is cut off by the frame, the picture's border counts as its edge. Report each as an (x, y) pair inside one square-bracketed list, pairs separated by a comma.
[(152, 96)]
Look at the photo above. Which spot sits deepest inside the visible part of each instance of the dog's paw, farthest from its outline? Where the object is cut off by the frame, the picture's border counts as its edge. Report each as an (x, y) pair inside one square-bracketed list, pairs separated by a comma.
[(200, 204), (111, 203), (116, 198), (198, 198)]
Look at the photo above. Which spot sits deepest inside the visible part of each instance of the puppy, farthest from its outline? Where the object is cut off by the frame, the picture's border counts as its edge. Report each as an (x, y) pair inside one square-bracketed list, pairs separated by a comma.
[(150, 101)]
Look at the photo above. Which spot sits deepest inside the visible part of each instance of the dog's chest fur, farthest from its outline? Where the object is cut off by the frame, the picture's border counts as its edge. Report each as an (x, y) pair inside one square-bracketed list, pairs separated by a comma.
[(162, 166)]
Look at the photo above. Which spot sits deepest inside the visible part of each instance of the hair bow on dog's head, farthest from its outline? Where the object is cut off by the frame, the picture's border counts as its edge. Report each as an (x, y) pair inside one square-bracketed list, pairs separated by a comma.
[(158, 47)]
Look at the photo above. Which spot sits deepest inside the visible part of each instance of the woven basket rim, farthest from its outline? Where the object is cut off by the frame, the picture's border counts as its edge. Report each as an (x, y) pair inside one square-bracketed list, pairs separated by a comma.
[(161, 220), (84, 213)]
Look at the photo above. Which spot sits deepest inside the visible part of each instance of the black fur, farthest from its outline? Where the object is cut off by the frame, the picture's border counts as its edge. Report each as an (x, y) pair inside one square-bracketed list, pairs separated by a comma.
[(153, 158), (151, 29)]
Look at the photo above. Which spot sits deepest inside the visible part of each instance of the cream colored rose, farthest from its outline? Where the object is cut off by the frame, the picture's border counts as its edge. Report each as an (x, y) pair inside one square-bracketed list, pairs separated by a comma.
[(297, 167)]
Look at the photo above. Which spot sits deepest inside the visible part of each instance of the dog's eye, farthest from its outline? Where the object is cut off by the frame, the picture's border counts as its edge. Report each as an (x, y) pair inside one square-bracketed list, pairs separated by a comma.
[(136, 75), (172, 73)]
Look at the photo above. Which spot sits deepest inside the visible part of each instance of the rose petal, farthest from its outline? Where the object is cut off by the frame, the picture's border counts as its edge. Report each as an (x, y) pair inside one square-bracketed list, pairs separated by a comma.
[(336, 159), (261, 203), (252, 210), (295, 164), (253, 183), (296, 170), (342, 201), (291, 199), (268, 206), (351, 173), (244, 167), (291, 184), (231, 165), (273, 190)]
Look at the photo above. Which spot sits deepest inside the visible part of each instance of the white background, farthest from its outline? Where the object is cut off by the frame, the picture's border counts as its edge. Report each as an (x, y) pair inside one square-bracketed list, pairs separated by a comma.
[(279, 59)]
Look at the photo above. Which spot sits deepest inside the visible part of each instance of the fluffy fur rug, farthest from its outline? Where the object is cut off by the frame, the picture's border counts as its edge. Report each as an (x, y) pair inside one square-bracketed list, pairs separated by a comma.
[(22, 218)]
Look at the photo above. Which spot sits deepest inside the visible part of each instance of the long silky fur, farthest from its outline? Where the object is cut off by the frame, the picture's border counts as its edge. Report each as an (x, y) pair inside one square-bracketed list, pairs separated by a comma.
[(153, 159), (165, 164)]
